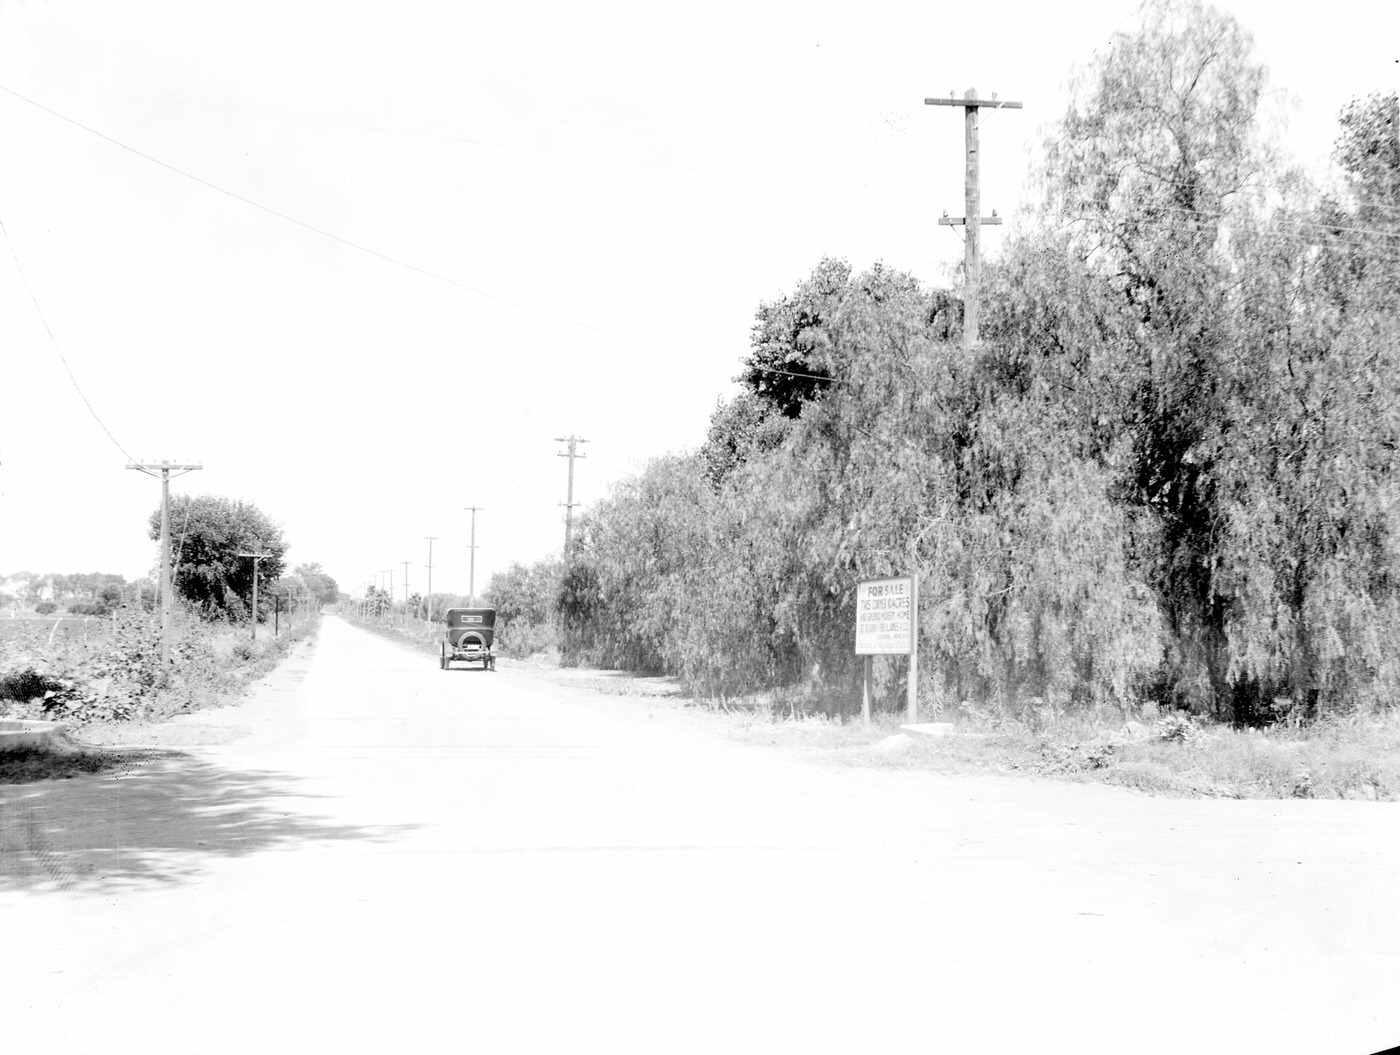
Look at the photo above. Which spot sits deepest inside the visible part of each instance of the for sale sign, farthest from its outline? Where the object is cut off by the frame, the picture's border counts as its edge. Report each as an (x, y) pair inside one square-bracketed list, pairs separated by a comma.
[(885, 617)]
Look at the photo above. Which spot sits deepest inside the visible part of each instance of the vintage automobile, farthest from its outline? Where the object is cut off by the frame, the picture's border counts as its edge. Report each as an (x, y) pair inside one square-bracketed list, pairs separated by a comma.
[(468, 638)]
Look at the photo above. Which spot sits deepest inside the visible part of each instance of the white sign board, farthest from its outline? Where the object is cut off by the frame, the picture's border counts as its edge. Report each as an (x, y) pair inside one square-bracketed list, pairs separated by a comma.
[(884, 617)]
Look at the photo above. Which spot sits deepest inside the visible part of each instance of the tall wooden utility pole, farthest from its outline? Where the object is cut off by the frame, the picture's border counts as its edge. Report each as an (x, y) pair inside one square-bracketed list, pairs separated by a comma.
[(573, 442), (256, 557), (405, 591), (428, 605), (471, 551), (973, 219), (163, 471)]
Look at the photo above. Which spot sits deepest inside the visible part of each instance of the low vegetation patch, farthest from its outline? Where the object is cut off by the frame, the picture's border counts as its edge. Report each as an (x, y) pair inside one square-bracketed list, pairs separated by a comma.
[(1357, 758), (28, 765), (114, 676)]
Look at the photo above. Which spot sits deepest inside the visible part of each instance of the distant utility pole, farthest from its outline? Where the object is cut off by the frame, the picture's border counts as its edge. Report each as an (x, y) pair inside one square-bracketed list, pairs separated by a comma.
[(573, 442), (163, 471), (405, 591), (389, 572), (973, 218), (428, 605), (471, 550), (256, 557)]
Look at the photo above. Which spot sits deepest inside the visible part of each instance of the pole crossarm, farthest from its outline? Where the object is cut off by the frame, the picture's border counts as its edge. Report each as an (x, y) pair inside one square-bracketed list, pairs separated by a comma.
[(991, 104), (160, 468)]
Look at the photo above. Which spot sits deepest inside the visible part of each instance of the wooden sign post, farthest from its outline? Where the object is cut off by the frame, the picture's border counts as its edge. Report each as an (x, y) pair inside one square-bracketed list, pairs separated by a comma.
[(887, 624)]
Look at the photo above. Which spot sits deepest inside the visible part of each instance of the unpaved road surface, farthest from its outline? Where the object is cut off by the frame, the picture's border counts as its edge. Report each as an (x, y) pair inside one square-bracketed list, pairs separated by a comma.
[(371, 855)]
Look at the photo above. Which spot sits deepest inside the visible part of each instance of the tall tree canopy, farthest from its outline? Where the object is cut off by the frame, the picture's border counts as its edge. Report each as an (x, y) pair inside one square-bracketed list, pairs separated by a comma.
[(324, 588), (1225, 354), (1167, 473), (207, 534)]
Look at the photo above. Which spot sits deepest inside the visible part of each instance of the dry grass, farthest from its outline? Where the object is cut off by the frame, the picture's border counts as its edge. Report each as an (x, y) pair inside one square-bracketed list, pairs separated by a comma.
[(1354, 759)]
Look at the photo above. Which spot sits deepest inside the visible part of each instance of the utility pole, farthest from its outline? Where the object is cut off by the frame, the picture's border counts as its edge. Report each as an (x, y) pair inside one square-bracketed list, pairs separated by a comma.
[(573, 442), (163, 471), (405, 591), (973, 218), (471, 550), (428, 604), (389, 572), (256, 557)]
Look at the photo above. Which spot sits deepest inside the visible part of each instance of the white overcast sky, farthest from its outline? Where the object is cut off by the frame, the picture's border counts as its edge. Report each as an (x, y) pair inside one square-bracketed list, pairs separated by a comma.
[(609, 188)]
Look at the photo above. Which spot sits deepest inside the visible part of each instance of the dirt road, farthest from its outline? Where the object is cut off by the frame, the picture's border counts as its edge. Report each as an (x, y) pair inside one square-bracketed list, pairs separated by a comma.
[(372, 855)]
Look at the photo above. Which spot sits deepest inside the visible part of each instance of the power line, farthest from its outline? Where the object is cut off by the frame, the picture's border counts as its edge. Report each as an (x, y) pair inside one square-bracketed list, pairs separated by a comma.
[(286, 217), (54, 342)]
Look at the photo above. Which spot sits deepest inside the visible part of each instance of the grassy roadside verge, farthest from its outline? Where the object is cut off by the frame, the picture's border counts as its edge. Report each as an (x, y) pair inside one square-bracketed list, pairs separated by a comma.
[(112, 680), (417, 635), (1174, 756), (1170, 756)]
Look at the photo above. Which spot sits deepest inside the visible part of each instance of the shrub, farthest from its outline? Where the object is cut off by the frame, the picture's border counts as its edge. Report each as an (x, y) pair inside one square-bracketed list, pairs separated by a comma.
[(28, 684)]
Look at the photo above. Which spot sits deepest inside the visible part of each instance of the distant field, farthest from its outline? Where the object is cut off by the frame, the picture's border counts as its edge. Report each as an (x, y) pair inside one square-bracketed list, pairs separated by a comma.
[(39, 629)]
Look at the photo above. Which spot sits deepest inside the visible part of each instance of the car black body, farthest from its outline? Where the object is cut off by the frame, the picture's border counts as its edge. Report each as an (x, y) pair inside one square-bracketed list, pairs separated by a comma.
[(468, 638)]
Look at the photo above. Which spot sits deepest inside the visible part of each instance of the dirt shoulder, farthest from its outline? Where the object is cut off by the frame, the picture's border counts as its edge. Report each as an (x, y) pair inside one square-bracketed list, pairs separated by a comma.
[(1170, 755)]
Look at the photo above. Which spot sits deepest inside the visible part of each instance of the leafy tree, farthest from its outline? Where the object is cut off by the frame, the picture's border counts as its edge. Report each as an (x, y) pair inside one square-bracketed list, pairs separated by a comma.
[(1167, 473), (207, 534), (525, 592), (744, 426), (1120, 311), (784, 368), (377, 600), (1368, 152), (322, 586), (1226, 363), (618, 595)]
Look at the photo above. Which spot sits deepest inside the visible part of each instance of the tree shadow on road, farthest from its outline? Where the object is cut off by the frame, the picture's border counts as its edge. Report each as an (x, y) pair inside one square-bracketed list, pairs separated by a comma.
[(154, 821)]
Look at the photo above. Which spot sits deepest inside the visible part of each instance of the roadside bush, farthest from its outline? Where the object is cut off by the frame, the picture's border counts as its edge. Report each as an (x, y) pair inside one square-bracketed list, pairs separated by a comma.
[(524, 597), (115, 675), (27, 684), (46, 608), (521, 637)]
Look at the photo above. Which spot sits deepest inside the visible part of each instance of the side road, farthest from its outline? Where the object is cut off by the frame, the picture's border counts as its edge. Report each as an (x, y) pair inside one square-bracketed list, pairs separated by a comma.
[(371, 854)]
